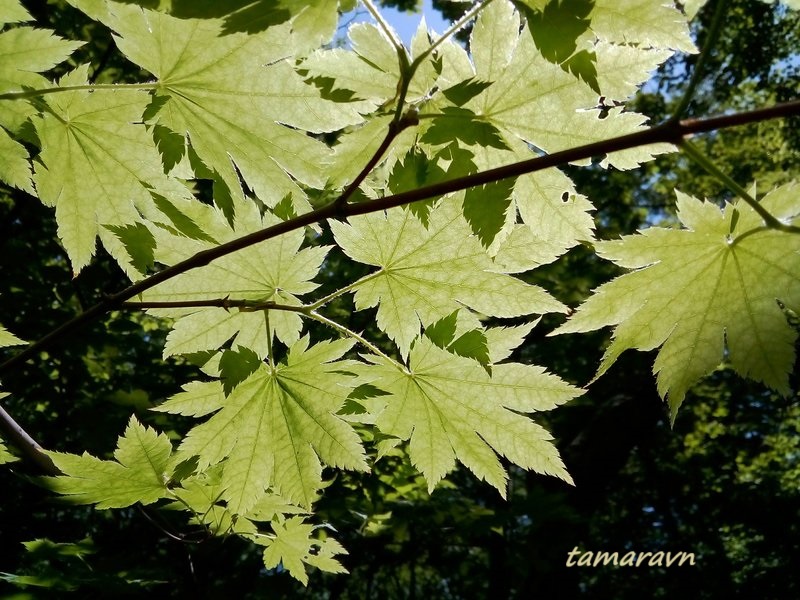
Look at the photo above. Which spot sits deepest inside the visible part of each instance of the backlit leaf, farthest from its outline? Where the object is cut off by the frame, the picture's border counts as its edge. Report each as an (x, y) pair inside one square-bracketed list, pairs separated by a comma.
[(425, 274), (450, 409), (703, 293), (277, 426), (139, 473)]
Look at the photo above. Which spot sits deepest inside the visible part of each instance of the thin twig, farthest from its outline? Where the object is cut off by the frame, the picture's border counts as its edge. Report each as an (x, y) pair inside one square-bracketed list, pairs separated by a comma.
[(71, 88), (702, 160), (465, 18), (338, 327), (699, 67)]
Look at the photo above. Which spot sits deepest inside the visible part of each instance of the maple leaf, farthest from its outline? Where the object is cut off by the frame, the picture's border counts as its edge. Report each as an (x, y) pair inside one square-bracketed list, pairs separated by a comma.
[(450, 408), (650, 23), (699, 290), (139, 473), (97, 166), (426, 274), (277, 424), (197, 399), (5, 456), (528, 90), (234, 96), (276, 270), (293, 547), (24, 53)]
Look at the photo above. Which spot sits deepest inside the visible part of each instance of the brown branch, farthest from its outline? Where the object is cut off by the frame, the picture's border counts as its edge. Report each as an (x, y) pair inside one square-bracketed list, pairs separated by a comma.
[(29, 447), (670, 132), (226, 303)]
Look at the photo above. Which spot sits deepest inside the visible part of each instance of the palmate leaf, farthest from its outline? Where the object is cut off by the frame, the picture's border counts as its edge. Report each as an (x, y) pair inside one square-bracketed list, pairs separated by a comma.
[(276, 270), (6, 456), (537, 101), (24, 53), (197, 399), (278, 424), (294, 546), (97, 166), (701, 294), (139, 474), (450, 408), (233, 94), (426, 274)]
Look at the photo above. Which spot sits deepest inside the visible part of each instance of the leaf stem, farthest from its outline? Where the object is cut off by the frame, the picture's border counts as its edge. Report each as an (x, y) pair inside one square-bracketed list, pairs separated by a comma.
[(748, 233), (350, 286), (226, 303), (72, 88), (701, 159), (269, 342), (356, 336), (711, 40), (376, 14), (465, 18)]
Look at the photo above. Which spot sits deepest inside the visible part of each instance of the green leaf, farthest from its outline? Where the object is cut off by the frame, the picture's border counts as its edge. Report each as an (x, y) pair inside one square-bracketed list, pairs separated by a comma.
[(293, 547), (465, 90), (528, 91), (450, 408), (557, 27), (703, 293), (503, 340), (237, 365), (25, 51), (138, 242), (6, 456), (414, 171), (425, 274), (278, 424), (9, 339), (197, 399), (651, 23), (15, 169), (469, 344), (11, 11), (139, 473), (276, 271), (234, 100), (97, 165), (486, 208)]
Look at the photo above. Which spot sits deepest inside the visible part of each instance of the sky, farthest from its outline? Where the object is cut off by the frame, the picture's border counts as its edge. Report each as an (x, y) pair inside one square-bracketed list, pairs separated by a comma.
[(406, 23)]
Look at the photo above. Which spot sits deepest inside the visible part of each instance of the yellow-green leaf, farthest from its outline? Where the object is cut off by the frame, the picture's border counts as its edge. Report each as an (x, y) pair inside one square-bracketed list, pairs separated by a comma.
[(139, 474), (704, 292), (278, 424), (426, 274), (449, 408)]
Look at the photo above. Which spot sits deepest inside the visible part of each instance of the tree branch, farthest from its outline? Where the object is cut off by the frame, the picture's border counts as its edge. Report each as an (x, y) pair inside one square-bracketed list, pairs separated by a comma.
[(670, 132)]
